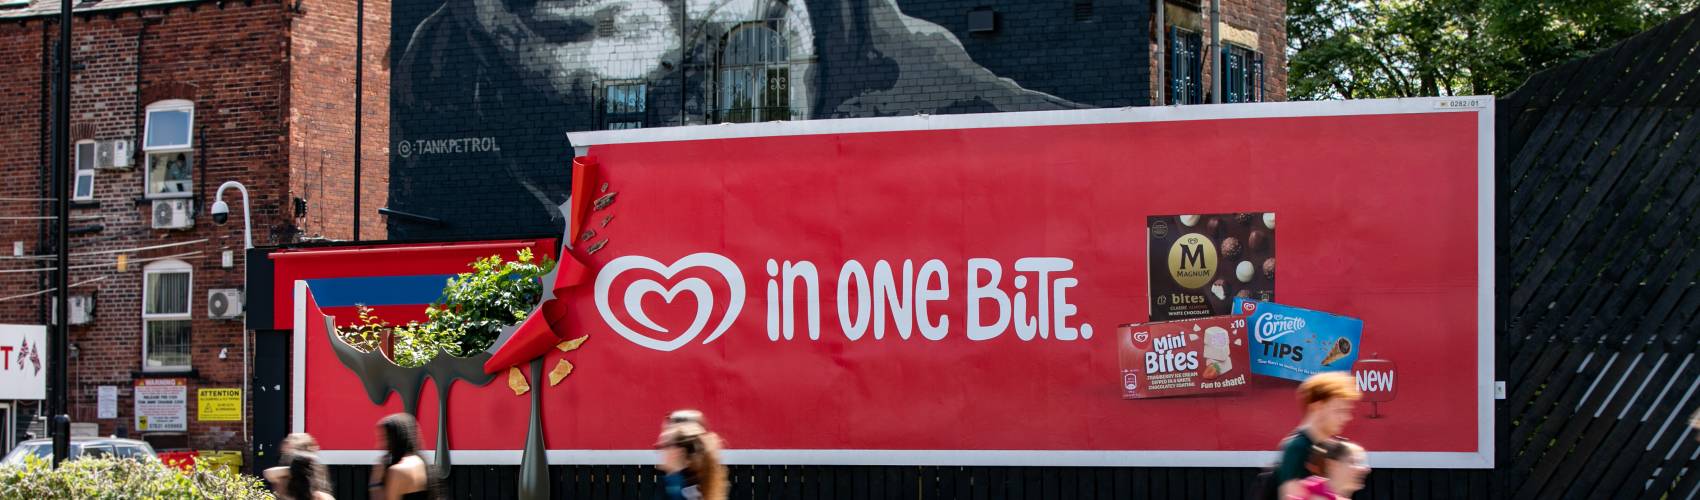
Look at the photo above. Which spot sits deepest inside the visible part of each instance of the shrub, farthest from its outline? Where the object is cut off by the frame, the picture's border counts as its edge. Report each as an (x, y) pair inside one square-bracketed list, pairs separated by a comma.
[(114, 479), (467, 318)]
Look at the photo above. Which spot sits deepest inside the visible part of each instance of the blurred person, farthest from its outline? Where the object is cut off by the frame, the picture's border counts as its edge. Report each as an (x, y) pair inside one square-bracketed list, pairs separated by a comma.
[(1327, 399), (306, 480), (401, 474), (690, 457), (299, 442), (1338, 468), (684, 416)]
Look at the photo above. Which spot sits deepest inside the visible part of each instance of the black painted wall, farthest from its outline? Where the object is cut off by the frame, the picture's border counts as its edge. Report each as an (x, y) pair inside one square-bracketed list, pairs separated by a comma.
[(479, 110)]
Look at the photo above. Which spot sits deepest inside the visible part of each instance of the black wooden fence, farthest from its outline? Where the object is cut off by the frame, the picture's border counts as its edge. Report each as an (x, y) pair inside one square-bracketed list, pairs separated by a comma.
[(1599, 177), (1599, 225)]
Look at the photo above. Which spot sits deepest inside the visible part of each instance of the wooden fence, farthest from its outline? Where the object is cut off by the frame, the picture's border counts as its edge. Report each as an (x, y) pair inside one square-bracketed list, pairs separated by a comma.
[(1599, 225)]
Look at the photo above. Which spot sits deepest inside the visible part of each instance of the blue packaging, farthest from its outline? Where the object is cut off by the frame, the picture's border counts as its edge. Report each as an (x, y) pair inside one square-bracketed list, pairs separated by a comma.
[(1293, 343)]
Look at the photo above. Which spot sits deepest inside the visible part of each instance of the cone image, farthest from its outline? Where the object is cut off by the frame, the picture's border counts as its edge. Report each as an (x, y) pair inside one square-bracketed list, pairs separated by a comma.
[(1342, 348)]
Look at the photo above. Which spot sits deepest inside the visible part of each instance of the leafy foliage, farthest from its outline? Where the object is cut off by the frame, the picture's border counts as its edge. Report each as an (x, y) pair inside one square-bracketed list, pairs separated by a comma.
[(467, 318), (1361, 49), (110, 478), (367, 333)]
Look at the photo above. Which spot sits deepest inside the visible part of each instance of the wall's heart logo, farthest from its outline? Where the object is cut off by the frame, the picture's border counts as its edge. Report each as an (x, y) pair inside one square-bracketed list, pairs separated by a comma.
[(634, 293)]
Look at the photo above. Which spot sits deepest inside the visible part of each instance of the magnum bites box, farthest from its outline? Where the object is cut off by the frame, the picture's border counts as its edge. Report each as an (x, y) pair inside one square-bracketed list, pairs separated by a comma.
[(1200, 263), (1292, 343), (1179, 358)]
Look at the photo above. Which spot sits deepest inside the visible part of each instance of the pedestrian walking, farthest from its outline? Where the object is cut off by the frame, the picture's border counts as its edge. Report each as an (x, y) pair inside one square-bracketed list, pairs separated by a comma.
[(300, 442), (306, 479), (686, 416), (401, 474), (690, 456), (1338, 468), (1327, 399)]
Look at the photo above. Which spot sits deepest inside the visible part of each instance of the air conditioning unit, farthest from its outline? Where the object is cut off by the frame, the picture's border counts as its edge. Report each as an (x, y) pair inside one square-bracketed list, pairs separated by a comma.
[(112, 154), (172, 214), (82, 309), (224, 303)]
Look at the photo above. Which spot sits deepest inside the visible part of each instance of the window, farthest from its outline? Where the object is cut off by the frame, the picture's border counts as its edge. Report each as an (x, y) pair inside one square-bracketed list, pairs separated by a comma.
[(623, 105), (1184, 66), (170, 148), (754, 80), (1243, 69), (85, 171), (166, 288)]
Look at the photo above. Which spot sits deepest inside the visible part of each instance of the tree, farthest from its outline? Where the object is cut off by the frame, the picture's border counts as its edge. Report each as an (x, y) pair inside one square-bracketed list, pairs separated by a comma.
[(1362, 49)]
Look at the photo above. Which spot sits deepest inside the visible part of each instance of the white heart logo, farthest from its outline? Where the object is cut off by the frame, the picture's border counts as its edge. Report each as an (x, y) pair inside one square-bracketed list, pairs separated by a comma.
[(633, 297)]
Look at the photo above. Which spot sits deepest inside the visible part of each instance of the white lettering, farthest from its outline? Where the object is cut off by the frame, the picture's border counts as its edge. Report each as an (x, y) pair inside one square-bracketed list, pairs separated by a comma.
[(932, 282), (978, 291), (811, 285), (853, 328), (887, 295)]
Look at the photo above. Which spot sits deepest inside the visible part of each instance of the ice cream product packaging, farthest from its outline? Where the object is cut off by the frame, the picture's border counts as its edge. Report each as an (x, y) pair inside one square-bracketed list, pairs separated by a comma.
[(1181, 358), (1293, 343)]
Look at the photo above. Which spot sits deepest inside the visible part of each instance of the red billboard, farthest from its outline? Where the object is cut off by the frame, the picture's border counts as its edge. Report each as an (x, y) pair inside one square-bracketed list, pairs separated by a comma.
[(948, 289)]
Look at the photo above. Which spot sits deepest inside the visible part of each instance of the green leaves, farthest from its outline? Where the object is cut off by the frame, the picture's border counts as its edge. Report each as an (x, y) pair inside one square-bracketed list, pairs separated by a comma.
[(470, 314), (109, 478), (1362, 49)]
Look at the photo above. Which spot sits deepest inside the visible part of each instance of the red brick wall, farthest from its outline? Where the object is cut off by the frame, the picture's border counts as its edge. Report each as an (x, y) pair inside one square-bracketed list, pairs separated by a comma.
[(1268, 18), (230, 61), (322, 115), (21, 157)]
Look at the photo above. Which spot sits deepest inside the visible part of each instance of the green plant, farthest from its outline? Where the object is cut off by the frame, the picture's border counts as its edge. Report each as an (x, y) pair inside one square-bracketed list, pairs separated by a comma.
[(467, 318), (110, 478), (367, 332)]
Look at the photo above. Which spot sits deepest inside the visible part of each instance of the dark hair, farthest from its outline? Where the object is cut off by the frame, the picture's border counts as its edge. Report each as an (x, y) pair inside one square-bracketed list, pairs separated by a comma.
[(401, 437), (304, 476)]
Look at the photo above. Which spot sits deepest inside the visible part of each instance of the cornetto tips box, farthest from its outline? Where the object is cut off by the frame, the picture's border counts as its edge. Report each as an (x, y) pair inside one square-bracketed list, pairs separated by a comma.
[(1180, 358), (1294, 343)]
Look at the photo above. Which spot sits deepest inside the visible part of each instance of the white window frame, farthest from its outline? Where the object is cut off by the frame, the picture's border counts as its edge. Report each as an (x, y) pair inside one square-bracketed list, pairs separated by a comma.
[(166, 267), (149, 150), (77, 166)]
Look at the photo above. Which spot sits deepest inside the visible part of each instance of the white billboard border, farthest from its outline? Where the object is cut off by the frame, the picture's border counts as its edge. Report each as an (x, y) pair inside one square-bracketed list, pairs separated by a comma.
[(1483, 458)]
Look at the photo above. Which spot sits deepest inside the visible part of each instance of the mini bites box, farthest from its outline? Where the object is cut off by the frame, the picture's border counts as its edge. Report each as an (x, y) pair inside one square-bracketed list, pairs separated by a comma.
[(1200, 263), (1294, 343), (1180, 358)]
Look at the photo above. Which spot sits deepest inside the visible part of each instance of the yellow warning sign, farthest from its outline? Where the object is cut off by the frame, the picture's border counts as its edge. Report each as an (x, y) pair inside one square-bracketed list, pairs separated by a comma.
[(219, 405)]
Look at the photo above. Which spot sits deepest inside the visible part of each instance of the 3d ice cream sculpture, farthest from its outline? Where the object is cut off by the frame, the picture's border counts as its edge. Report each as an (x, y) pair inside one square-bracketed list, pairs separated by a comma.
[(525, 343)]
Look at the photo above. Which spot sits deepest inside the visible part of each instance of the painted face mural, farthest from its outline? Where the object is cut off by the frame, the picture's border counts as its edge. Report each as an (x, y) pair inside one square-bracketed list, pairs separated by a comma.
[(483, 91)]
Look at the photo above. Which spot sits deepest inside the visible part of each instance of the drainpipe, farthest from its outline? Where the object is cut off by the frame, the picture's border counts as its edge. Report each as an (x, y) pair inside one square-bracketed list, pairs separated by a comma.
[(1216, 51), (359, 108), (1162, 54)]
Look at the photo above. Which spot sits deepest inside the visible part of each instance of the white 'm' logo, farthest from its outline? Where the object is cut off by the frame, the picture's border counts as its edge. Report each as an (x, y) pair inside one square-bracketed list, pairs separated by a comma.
[(633, 297)]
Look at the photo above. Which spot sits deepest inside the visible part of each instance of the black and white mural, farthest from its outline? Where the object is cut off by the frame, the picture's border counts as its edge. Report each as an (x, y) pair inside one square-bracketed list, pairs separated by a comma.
[(483, 91)]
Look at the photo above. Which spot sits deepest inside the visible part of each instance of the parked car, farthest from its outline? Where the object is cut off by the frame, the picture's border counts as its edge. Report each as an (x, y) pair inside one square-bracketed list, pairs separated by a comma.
[(82, 447)]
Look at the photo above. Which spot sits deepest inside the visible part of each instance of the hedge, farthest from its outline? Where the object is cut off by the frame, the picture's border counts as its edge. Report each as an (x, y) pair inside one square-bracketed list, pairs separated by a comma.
[(114, 479)]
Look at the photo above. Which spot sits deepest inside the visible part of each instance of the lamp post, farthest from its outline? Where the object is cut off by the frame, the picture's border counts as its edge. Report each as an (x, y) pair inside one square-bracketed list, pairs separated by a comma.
[(220, 214)]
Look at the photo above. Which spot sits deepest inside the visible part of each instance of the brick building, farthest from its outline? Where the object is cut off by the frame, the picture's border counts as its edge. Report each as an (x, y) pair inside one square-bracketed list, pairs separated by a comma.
[(170, 99)]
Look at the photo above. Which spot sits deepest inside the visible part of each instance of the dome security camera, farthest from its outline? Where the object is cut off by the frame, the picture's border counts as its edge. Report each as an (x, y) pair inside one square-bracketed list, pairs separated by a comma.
[(220, 212)]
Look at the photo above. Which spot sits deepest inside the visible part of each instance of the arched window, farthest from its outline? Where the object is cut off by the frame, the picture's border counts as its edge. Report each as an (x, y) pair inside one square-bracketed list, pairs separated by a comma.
[(169, 142), (167, 292), (753, 80)]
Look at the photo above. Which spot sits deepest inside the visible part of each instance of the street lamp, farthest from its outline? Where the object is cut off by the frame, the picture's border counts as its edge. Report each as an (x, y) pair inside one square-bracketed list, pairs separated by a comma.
[(220, 214)]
